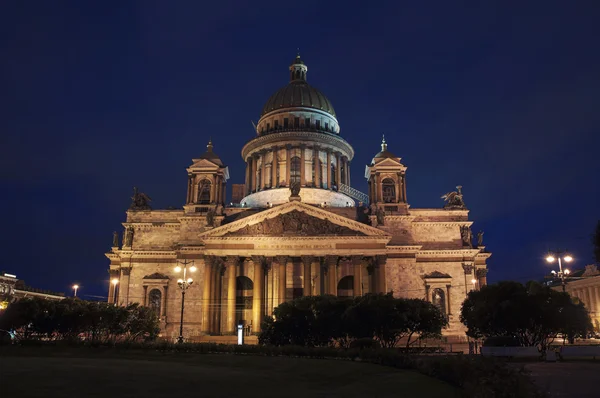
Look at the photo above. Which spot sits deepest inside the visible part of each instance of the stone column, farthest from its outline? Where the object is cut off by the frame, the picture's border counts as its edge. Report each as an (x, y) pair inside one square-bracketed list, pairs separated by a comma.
[(282, 262), (404, 188), (357, 266), (217, 284), (302, 165), (379, 188), (338, 171), (288, 164), (248, 173), (317, 162), (348, 167), (190, 189), (481, 277), (307, 261), (328, 169), (381, 261), (124, 285), (257, 302), (253, 174), (448, 299), (344, 162), (164, 301), (331, 262), (146, 296), (274, 166), (398, 195), (232, 263), (263, 171), (206, 294), (468, 268), (427, 288)]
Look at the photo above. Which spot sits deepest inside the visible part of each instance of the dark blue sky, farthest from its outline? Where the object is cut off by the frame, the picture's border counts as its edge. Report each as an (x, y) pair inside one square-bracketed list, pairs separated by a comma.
[(96, 97)]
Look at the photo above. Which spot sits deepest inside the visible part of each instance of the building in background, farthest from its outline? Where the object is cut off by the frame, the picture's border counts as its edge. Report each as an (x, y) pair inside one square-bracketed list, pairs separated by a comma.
[(584, 285), (301, 229), (12, 289)]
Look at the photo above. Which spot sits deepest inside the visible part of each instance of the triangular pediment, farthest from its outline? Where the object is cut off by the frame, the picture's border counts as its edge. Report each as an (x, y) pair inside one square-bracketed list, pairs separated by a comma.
[(203, 164), (295, 219), (389, 162)]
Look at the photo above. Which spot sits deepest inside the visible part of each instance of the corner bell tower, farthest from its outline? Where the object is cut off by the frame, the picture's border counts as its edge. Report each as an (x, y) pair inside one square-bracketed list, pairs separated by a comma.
[(386, 176), (207, 178)]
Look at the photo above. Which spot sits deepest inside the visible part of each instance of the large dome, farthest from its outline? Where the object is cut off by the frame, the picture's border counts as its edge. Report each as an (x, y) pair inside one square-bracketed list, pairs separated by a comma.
[(298, 93)]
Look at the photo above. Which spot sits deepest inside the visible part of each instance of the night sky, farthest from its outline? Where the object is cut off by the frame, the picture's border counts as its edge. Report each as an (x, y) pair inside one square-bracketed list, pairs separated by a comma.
[(98, 97)]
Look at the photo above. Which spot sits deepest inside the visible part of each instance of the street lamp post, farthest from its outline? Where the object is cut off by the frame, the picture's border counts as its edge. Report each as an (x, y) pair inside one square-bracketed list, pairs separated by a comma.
[(560, 256), (75, 288), (114, 282), (184, 283)]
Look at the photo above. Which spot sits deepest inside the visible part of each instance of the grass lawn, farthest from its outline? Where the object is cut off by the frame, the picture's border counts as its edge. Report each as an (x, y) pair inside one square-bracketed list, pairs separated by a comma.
[(208, 376)]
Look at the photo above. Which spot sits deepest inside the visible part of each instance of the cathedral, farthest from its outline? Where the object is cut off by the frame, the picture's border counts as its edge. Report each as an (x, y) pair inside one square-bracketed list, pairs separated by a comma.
[(299, 229)]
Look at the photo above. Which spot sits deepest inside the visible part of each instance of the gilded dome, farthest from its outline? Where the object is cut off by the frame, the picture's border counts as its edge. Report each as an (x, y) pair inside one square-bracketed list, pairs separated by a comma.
[(298, 93)]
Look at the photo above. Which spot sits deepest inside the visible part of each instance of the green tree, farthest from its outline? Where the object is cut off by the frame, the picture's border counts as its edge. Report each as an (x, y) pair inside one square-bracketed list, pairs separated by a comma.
[(533, 314)]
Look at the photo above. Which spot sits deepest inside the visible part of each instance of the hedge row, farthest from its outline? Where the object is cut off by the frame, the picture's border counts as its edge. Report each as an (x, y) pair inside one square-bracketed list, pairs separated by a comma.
[(475, 375)]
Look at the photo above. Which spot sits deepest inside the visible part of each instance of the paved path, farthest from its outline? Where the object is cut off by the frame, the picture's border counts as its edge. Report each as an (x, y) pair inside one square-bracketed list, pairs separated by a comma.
[(567, 379)]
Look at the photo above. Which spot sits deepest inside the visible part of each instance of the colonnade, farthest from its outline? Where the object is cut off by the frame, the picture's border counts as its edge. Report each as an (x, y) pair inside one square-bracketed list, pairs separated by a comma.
[(277, 179), (589, 295), (219, 310)]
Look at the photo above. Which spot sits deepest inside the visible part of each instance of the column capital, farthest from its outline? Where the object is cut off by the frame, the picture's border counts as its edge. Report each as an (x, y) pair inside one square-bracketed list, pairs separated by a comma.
[(481, 272), (468, 268), (307, 259), (331, 260), (380, 259), (356, 260), (232, 261), (258, 259), (281, 260)]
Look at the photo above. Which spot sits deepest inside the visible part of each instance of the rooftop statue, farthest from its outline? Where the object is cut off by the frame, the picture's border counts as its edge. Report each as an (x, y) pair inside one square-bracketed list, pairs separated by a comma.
[(454, 200), (140, 201), (295, 188)]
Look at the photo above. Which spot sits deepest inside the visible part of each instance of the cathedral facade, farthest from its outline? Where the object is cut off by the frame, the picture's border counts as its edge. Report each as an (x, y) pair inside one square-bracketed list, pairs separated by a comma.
[(300, 229)]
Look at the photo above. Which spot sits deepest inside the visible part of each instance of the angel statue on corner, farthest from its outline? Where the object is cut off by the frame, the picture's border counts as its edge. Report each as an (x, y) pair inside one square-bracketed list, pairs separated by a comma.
[(454, 199)]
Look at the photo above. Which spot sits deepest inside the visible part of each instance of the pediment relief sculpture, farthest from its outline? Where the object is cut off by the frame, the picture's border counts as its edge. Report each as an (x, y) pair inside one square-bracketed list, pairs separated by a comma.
[(294, 223)]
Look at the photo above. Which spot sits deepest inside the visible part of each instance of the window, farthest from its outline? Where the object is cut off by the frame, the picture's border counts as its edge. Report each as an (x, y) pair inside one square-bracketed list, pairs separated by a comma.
[(317, 124), (268, 126), (333, 181), (276, 124), (295, 169), (343, 173), (307, 122), (389, 190), (258, 179), (296, 122), (204, 192), (345, 286), (326, 126), (155, 301), (286, 122), (438, 298), (244, 290)]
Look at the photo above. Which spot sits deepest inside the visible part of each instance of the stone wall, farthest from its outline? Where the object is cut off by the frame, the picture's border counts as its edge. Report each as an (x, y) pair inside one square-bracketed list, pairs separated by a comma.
[(308, 195)]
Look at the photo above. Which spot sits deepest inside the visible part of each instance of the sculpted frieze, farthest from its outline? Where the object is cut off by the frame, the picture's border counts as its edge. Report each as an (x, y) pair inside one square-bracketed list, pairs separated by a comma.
[(294, 223)]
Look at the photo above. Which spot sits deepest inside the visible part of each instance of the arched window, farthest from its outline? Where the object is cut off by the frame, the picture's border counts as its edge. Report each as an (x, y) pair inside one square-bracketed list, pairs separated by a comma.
[(389, 190), (345, 286), (295, 169), (155, 301), (438, 298), (204, 192)]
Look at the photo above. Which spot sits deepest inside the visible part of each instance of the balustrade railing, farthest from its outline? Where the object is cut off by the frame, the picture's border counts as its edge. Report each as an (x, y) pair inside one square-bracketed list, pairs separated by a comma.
[(354, 193)]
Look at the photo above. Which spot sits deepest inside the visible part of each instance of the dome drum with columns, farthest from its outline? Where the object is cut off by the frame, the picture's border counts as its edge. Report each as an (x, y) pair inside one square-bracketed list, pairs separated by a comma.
[(284, 242), (298, 142)]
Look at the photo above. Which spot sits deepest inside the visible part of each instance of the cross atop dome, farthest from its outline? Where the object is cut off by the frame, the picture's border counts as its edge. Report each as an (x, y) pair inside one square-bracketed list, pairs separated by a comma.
[(383, 144)]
